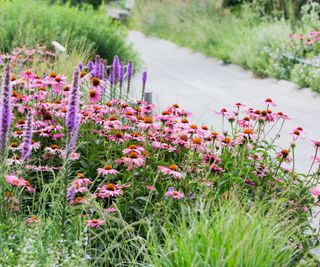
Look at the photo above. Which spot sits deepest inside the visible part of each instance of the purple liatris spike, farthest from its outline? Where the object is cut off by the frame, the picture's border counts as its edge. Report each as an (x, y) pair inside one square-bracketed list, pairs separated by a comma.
[(26, 146), (74, 138), (129, 75), (111, 77), (121, 73), (101, 71), (73, 103), (144, 78), (130, 70), (80, 65), (115, 68), (71, 193), (97, 67), (5, 108), (90, 66)]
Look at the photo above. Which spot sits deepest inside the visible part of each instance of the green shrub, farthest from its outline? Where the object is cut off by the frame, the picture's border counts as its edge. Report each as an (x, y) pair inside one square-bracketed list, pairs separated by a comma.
[(28, 22)]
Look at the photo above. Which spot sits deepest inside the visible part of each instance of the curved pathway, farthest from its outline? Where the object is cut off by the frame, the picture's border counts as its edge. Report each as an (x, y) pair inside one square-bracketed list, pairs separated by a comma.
[(204, 85)]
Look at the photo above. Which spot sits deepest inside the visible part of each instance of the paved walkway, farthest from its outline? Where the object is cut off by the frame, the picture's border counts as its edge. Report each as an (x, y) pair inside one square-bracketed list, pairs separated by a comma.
[(203, 85)]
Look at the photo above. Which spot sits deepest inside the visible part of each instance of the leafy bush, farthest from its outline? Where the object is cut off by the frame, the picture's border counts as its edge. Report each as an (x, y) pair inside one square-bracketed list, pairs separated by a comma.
[(27, 22)]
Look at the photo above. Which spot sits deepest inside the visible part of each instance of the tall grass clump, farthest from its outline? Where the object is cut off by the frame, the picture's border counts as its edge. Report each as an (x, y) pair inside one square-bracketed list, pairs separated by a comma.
[(229, 234), (30, 22)]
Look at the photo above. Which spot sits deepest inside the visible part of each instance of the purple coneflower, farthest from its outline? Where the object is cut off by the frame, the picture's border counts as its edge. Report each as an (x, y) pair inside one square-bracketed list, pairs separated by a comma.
[(5, 108)]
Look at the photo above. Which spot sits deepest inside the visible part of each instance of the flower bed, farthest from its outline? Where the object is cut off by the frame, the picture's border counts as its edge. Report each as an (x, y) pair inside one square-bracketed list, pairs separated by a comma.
[(84, 155)]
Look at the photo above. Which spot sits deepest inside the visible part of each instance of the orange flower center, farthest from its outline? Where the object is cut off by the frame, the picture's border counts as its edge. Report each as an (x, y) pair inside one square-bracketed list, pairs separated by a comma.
[(285, 153), (107, 167), (247, 131), (113, 118), (92, 93), (95, 81), (148, 120), (119, 134), (173, 167), (53, 75), (14, 144), (111, 187), (54, 146), (133, 155), (197, 141)]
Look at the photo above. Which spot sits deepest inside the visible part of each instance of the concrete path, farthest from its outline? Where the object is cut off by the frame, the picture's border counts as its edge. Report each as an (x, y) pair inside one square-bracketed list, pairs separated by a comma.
[(204, 85)]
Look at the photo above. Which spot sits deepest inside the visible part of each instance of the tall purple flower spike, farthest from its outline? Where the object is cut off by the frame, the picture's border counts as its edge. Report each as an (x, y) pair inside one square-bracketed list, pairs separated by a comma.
[(115, 69), (74, 138), (5, 108), (97, 67), (130, 70), (26, 146), (73, 103), (80, 65), (129, 75), (144, 78), (90, 66), (121, 73)]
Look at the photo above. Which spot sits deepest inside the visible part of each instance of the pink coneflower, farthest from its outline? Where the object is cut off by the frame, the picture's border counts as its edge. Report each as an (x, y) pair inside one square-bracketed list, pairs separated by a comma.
[(111, 210), (247, 134), (261, 170), (239, 105), (58, 84), (283, 155), (197, 145), (133, 148), (94, 95), (283, 116), (150, 187), (106, 170), (269, 102), (133, 160), (147, 124), (250, 182), (53, 150), (315, 191), (223, 112), (316, 143), (171, 170), (28, 75), (174, 194), (216, 168), (95, 223), (81, 185), (297, 132), (19, 182), (117, 137), (108, 190), (32, 219), (13, 180)]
